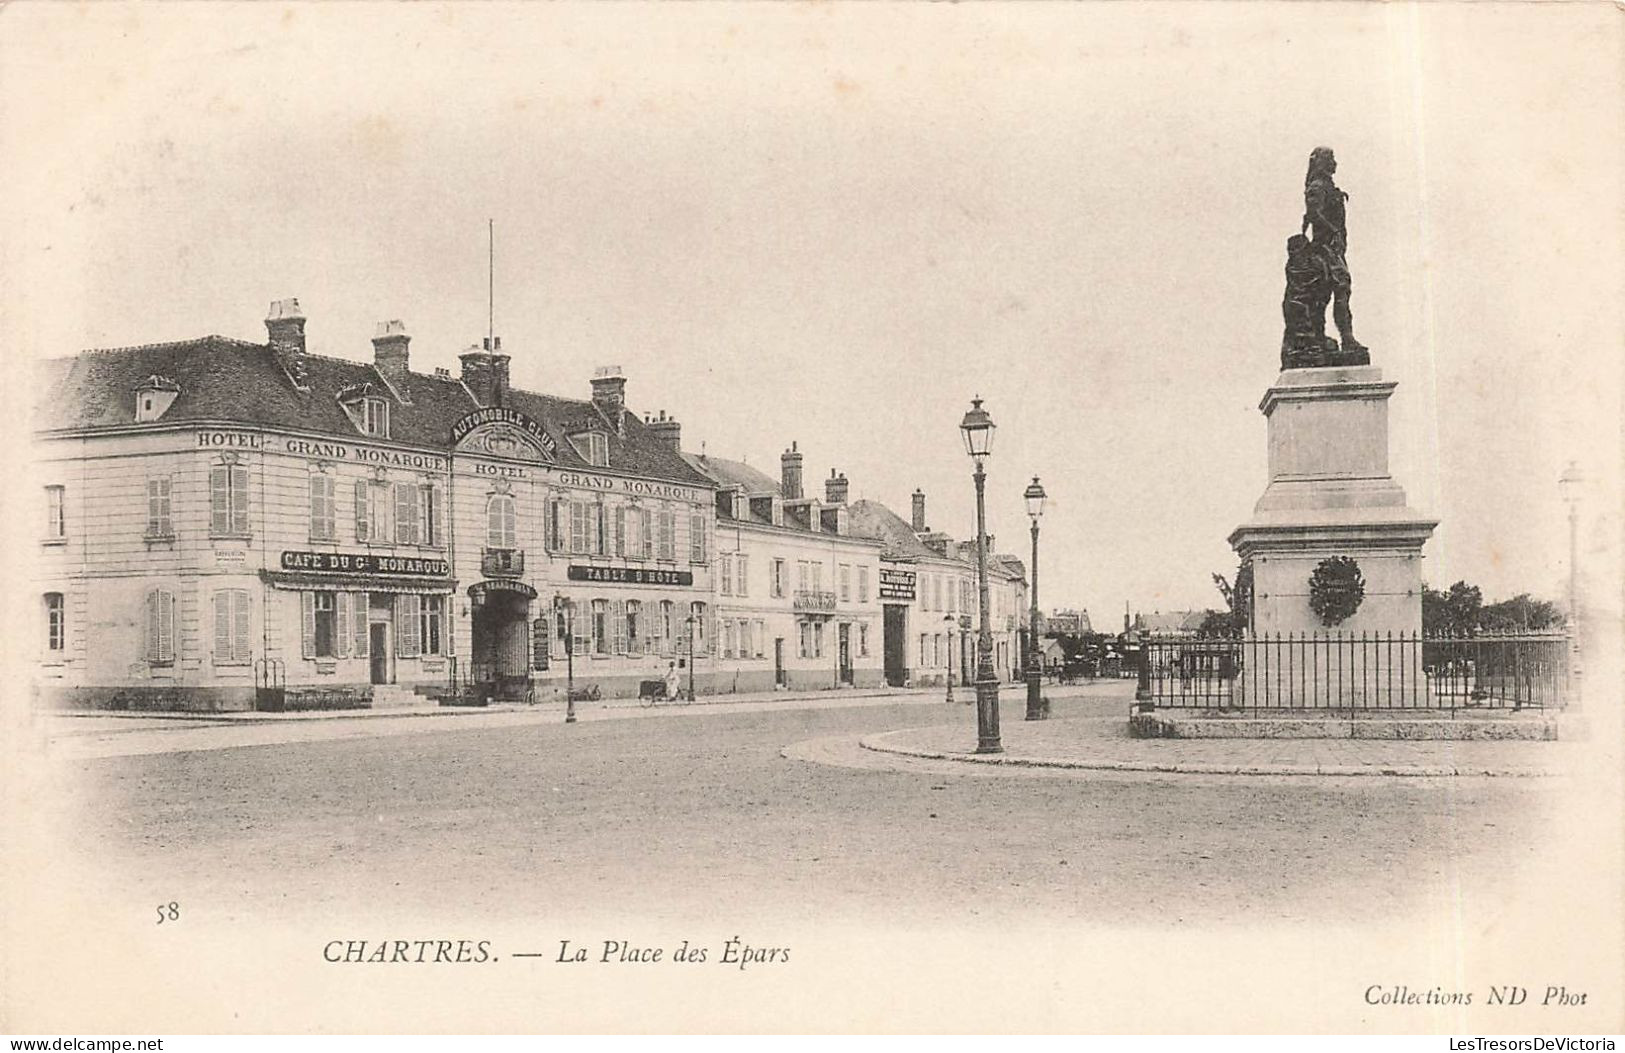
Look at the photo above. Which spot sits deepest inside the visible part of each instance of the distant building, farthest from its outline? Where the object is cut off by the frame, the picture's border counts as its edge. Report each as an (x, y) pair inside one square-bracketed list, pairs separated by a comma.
[(1065, 622), (929, 597), (797, 592)]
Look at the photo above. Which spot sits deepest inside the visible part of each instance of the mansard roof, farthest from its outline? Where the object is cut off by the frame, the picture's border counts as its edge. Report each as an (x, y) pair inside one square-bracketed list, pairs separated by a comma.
[(227, 380)]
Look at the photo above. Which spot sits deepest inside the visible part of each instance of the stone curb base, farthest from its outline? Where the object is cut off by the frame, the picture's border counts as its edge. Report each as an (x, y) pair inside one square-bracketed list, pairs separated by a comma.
[(1459, 729), (885, 743)]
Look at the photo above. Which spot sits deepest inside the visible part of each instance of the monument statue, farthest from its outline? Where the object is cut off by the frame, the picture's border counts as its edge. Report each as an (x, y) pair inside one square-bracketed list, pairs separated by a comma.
[(1317, 271)]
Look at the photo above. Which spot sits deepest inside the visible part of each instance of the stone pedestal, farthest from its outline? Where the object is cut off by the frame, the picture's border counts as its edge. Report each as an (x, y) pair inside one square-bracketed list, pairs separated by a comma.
[(1330, 494)]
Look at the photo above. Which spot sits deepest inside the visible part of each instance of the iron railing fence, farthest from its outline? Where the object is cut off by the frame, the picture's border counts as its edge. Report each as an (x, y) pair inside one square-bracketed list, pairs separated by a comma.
[(1358, 671)]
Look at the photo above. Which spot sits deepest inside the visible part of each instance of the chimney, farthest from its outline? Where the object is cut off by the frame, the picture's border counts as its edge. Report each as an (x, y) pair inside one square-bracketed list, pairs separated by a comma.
[(285, 323), (835, 488), (609, 393), (485, 371), (389, 353), (790, 476), (667, 432), (919, 511)]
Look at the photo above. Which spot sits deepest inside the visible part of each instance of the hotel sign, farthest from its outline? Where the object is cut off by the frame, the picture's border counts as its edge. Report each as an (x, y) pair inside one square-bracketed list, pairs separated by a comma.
[(365, 563), (511, 417), (631, 575), (480, 591), (635, 487), (896, 584)]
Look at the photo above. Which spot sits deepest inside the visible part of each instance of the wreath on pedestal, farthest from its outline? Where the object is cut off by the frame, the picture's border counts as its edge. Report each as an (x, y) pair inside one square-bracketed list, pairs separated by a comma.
[(1336, 589)]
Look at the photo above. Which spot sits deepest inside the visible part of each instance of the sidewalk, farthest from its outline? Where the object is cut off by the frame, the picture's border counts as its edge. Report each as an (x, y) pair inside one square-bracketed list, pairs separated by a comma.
[(81, 736), (1103, 744)]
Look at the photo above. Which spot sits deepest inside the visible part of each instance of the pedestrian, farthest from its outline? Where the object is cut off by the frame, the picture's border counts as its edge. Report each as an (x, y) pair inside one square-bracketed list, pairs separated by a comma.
[(671, 679)]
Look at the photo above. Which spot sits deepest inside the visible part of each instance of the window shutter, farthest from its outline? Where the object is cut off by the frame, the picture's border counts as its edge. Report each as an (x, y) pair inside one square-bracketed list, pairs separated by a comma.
[(240, 629), (406, 625), (617, 613), (620, 531), (307, 636), (219, 500), (406, 514), (166, 627), (239, 500), (358, 623), (222, 626), (437, 511), (341, 633), (362, 526)]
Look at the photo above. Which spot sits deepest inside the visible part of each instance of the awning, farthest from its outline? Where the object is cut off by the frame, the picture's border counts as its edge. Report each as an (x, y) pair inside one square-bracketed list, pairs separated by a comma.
[(286, 579)]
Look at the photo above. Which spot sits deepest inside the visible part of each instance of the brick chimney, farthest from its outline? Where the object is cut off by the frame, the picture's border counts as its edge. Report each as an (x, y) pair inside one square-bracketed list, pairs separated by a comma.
[(835, 488), (285, 324), (667, 431), (790, 473), (389, 346), (609, 393), (485, 371), (919, 511)]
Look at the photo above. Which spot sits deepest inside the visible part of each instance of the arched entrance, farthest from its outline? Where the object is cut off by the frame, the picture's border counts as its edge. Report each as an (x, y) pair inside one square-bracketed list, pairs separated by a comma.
[(500, 663)]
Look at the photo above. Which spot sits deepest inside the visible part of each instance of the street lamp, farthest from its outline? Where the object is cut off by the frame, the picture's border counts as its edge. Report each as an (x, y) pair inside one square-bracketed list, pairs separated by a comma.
[(1035, 672), (689, 623), (1571, 484), (977, 427), (949, 624), (565, 608)]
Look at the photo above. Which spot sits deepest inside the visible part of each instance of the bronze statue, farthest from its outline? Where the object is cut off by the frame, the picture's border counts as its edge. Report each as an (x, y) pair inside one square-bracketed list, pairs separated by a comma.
[(1317, 271)]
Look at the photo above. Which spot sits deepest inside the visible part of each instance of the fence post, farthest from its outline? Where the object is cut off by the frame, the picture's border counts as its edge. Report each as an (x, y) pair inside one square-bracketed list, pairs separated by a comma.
[(1142, 689)]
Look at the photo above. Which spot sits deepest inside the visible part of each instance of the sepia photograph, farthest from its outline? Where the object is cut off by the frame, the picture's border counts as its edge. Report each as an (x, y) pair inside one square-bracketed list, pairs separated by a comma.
[(809, 518)]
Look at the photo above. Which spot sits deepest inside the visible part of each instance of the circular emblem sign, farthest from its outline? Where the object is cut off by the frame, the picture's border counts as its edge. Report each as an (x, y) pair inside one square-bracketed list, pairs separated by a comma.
[(1336, 589)]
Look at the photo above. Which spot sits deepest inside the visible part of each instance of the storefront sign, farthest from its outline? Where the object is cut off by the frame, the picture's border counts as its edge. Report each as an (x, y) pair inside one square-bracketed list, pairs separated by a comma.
[(480, 591), (896, 584), (635, 487), (511, 417), (365, 563), (344, 451), (631, 575), (231, 440)]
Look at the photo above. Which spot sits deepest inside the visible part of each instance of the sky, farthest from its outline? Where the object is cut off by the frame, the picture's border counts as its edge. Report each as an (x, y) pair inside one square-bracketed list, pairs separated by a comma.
[(836, 224)]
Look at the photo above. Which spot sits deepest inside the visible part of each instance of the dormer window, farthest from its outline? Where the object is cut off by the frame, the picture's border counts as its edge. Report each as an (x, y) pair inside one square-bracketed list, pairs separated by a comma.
[(368, 408), (375, 417), (153, 397), (593, 447)]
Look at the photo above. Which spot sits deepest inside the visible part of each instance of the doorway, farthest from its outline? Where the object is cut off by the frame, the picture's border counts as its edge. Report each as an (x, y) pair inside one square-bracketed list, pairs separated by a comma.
[(779, 677), (378, 651), (843, 635), (893, 627)]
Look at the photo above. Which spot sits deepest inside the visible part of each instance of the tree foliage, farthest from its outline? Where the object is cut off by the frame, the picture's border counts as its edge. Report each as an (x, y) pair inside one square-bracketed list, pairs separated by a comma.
[(1460, 610)]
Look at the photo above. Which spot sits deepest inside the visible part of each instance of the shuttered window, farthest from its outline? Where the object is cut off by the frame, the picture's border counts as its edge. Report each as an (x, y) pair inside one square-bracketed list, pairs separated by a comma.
[(742, 576), (578, 526), (322, 527), (696, 539), (159, 523), (406, 514), (231, 637), (617, 621), (363, 510), (360, 644), (408, 630), (228, 499), (160, 627), (600, 627), (56, 515), (619, 548), (668, 534)]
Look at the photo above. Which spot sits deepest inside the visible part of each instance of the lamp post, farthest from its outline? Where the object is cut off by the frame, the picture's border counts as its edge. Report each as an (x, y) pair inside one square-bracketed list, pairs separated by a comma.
[(565, 609), (977, 428), (948, 626), (1034, 495), (689, 623), (1571, 485)]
